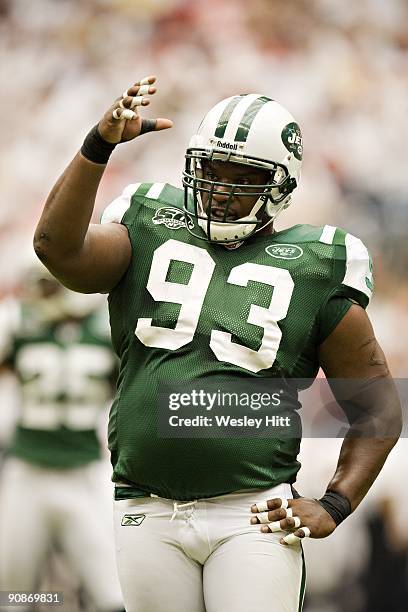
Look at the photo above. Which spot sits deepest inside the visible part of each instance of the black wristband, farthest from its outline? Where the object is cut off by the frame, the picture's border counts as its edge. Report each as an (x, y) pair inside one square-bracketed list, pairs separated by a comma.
[(336, 504), (95, 148)]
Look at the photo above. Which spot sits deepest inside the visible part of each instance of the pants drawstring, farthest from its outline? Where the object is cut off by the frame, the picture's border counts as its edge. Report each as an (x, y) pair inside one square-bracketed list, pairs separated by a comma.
[(180, 507)]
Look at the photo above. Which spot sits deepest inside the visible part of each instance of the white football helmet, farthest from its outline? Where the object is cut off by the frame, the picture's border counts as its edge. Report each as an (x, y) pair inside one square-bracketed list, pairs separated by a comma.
[(246, 129)]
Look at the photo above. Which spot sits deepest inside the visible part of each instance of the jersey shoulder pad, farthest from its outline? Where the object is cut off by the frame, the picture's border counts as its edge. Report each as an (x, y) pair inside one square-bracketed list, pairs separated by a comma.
[(126, 206), (300, 233), (356, 265)]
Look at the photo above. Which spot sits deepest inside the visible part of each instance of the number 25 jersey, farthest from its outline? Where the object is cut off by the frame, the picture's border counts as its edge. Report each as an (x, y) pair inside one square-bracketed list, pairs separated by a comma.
[(189, 310)]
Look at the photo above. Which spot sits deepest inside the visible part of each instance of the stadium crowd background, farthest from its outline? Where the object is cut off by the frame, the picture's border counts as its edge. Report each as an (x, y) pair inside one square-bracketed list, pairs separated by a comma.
[(341, 69)]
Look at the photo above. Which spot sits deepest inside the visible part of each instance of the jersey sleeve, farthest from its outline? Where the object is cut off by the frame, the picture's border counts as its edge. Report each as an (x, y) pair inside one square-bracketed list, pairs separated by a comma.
[(129, 200), (116, 210), (358, 275), (330, 316), (354, 268)]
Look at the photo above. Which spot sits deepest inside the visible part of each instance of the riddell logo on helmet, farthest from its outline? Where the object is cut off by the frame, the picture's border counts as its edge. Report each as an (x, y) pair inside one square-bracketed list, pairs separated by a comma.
[(223, 144), (227, 145)]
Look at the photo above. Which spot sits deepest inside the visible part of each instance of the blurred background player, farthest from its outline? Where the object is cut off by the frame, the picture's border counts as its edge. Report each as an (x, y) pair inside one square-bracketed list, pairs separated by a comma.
[(52, 491)]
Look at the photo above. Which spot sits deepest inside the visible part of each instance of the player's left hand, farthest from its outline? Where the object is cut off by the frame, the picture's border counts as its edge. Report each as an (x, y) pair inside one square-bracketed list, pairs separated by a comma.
[(302, 517)]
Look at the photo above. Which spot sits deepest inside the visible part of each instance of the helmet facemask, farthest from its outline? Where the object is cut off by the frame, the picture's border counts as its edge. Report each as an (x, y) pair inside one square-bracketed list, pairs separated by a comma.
[(217, 220)]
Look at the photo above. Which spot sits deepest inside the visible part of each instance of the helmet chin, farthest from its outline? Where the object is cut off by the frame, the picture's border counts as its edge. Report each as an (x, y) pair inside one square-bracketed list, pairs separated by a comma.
[(228, 232)]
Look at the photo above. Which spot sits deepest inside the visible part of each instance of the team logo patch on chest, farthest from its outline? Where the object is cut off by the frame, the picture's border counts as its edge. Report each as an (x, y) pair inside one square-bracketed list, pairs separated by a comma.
[(173, 218), (284, 251)]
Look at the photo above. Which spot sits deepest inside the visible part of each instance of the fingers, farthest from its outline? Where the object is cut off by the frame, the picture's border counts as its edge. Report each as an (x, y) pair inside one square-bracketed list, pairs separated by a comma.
[(270, 510), (125, 108), (122, 121), (284, 525), (141, 88), (155, 125), (267, 517), (275, 515), (133, 101), (296, 536), (133, 97), (277, 520), (270, 504), (123, 113)]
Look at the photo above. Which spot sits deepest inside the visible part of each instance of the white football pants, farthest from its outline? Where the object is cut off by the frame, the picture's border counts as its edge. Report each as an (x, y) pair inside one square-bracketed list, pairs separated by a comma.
[(70, 507), (205, 556)]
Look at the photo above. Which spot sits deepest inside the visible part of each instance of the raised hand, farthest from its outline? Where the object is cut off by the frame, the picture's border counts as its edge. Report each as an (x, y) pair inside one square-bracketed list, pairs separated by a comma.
[(122, 121)]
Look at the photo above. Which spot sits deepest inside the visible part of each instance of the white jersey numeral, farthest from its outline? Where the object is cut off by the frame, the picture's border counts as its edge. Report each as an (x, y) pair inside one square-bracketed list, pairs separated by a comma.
[(191, 298), (262, 359)]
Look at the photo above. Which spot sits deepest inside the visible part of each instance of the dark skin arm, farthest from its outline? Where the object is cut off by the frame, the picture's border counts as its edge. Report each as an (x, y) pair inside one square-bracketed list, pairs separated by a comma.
[(86, 257), (351, 351)]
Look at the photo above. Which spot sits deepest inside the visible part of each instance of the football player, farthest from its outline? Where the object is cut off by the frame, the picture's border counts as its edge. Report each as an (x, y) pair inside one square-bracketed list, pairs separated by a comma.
[(52, 495), (202, 287)]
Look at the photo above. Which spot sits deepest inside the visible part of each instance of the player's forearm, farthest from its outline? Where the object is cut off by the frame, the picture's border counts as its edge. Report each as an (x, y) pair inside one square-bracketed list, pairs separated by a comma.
[(360, 462), (375, 413), (68, 210)]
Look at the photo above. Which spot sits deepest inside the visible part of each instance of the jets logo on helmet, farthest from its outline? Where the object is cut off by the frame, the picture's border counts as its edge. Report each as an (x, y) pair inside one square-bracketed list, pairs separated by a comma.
[(251, 130), (292, 139)]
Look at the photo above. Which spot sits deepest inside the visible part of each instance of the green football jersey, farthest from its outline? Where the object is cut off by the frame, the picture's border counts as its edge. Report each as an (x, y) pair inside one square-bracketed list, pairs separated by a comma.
[(65, 371), (189, 310)]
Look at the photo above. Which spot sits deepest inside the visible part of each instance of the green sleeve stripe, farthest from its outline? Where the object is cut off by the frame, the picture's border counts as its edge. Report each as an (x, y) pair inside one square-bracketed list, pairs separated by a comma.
[(143, 189), (248, 118), (339, 237), (225, 117)]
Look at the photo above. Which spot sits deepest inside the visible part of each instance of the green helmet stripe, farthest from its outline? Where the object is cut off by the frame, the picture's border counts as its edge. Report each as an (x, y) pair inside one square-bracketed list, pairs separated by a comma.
[(225, 117), (249, 116)]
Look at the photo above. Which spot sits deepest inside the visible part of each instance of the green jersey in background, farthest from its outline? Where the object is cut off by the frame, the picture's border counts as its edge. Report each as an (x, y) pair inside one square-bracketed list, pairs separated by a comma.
[(65, 369)]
